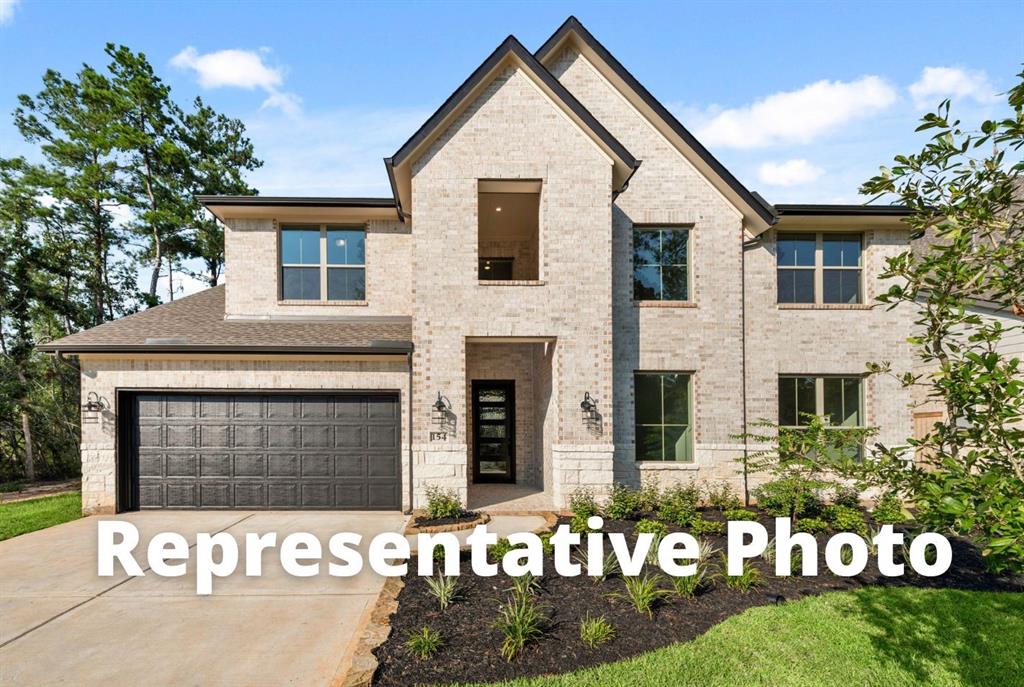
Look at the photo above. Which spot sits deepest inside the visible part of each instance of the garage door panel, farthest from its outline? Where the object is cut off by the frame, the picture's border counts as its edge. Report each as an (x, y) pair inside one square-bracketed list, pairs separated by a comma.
[(349, 436), (181, 465), (250, 465), (284, 495), (381, 465), (180, 494), (214, 465), (282, 465), (379, 495), (250, 495), (179, 436), (350, 496), (317, 436), (350, 466), (215, 495), (180, 406), (257, 451), (382, 436), (317, 466), (282, 436)]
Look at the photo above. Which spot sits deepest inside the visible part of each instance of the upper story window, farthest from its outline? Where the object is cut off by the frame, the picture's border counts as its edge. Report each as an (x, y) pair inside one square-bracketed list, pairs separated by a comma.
[(819, 268), (662, 414), (323, 263), (661, 264), (508, 235)]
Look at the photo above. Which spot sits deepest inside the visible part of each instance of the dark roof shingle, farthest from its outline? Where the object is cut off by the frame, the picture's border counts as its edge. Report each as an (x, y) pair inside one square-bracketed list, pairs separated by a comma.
[(196, 323)]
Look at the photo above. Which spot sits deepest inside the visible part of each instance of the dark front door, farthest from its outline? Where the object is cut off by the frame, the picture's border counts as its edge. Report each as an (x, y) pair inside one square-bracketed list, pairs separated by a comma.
[(494, 430), (251, 451)]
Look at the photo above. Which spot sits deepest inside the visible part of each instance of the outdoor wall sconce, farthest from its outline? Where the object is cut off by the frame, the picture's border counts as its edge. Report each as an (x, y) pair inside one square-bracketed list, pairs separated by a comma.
[(94, 405), (591, 418), (442, 417)]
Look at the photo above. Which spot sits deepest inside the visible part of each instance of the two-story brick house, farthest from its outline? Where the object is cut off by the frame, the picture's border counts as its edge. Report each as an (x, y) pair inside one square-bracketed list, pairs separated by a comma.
[(566, 289)]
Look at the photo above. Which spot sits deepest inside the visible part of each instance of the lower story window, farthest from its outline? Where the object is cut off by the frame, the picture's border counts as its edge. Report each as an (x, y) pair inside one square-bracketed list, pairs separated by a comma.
[(838, 399), (662, 410)]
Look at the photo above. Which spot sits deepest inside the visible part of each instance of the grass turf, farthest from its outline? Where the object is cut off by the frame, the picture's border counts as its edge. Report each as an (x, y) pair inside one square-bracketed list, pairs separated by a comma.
[(36, 514), (872, 636)]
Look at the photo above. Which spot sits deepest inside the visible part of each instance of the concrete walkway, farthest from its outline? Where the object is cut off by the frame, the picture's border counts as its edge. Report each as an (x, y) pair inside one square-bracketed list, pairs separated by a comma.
[(60, 623)]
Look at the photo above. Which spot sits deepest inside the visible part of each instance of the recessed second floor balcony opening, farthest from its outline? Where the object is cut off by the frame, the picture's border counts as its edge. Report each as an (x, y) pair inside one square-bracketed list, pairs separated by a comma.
[(508, 237)]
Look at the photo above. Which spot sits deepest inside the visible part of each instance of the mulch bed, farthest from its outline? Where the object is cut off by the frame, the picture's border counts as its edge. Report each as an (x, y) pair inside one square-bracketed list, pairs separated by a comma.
[(471, 644)]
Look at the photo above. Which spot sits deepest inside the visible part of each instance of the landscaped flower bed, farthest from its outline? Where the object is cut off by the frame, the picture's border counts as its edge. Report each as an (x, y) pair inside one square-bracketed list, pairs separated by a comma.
[(486, 614)]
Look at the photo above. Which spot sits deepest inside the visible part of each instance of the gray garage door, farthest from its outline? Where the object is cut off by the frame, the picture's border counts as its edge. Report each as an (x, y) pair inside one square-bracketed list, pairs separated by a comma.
[(266, 451)]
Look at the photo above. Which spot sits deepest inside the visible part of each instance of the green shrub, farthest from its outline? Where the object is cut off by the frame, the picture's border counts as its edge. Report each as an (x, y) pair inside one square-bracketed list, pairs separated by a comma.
[(443, 503), (583, 504), (812, 525), (679, 504), (844, 495), (744, 582), (444, 589), (888, 510), (520, 621), (722, 496), (545, 542), (596, 631), (739, 514), (643, 592), (579, 525), (423, 644), (623, 503), (846, 519), (702, 526), (790, 496), (648, 497), (690, 586), (497, 551), (658, 529)]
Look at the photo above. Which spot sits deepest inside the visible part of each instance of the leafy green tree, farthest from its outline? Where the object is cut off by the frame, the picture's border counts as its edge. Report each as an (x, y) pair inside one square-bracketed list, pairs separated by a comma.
[(219, 154), (74, 122), (964, 187)]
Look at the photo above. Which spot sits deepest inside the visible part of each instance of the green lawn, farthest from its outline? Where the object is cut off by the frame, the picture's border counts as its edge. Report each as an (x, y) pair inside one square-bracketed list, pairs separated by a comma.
[(875, 636), (28, 516)]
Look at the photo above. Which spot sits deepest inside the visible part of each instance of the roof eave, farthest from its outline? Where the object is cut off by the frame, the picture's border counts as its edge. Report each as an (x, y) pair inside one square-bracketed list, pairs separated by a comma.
[(383, 348)]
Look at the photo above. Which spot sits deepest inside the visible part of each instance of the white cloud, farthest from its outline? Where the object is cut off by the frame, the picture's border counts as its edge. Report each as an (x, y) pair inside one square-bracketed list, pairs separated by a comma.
[(329, 153), (239, 69), (788, 173), (799, 116), (7, 10), (938, 83)]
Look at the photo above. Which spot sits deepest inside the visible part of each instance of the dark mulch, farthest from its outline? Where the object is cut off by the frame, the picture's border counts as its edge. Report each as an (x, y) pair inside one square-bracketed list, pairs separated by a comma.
[(471, 644), (423, 521)]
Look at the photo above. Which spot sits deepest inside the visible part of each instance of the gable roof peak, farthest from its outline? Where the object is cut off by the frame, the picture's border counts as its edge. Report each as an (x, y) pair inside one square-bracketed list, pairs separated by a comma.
[(753, 208), (510, 49)]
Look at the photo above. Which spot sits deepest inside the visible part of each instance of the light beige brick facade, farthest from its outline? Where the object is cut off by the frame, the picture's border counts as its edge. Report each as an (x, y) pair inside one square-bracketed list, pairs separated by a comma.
[(576, 329)]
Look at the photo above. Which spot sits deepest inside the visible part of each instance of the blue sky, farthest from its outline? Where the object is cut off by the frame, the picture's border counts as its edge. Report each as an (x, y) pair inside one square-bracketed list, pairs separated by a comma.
[(802, 101)]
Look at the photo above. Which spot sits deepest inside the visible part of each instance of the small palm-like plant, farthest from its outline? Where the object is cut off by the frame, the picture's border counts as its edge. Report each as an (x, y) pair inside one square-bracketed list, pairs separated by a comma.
[(444, 589), (596, 631), (520, 621), (424, 644), (643, 592), (525, 584), (745, 581)]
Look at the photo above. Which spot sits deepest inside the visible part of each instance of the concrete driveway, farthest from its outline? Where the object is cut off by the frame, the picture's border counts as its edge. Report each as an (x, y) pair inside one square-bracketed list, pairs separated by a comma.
[(60, 623)]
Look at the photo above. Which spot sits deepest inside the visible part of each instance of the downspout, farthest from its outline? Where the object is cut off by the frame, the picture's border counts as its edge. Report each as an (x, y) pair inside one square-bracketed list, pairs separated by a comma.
[(409, 510), (743, 354)]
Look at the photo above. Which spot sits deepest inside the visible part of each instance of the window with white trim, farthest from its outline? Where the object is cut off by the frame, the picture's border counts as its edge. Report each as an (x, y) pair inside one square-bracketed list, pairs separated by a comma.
[(322, 262)]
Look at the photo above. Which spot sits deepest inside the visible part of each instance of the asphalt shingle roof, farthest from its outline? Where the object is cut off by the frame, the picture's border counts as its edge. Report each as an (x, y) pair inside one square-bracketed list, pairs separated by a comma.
[(196, 323)]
